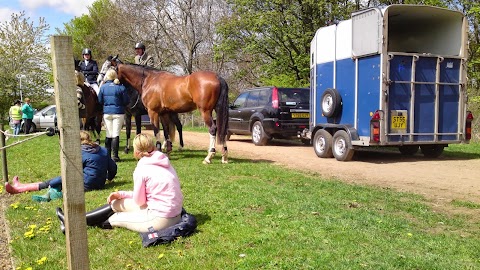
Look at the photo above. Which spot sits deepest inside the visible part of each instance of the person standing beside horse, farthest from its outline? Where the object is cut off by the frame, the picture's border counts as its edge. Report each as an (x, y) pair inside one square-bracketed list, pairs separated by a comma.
[(114, 98), (27, 115), (15, 113), (89, 68)]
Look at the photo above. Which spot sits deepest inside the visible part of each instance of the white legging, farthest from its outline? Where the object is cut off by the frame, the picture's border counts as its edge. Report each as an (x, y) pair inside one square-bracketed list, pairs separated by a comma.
[(113, 124), (138, 218)]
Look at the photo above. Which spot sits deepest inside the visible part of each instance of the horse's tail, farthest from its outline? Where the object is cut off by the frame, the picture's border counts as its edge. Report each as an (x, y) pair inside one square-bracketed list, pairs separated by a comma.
[(222, 111)]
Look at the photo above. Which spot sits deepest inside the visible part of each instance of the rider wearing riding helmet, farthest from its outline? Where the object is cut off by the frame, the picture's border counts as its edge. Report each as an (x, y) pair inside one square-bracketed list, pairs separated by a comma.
[(142, 58), (89, 68)]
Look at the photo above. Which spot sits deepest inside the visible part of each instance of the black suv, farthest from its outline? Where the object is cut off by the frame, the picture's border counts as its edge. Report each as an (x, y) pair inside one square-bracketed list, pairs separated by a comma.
[(270, 112)]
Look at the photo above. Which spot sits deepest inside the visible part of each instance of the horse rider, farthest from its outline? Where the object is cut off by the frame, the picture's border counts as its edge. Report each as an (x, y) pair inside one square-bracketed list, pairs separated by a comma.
[(89, 68), (142, 57)]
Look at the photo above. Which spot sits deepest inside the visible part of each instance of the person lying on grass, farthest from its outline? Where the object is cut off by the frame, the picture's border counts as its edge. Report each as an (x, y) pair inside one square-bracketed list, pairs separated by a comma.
[(155, 202), (97, 168)]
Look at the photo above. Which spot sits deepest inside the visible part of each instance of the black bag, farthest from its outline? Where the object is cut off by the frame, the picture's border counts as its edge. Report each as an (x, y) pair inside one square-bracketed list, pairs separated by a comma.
[(185, 227)]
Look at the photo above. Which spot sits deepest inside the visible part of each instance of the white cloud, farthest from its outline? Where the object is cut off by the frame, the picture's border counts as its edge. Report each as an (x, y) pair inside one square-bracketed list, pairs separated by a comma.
[(6, 14), (73, 7)]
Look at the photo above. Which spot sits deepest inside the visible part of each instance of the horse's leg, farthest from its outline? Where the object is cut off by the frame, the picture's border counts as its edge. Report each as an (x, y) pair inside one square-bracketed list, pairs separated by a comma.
[(128, 129), (166, 124), (179, 126), (212, 130), (168, 133), (154, 119)]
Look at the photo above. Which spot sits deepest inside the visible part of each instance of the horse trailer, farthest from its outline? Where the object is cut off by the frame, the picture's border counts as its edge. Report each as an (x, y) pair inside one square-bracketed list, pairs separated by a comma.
[(392, 76)]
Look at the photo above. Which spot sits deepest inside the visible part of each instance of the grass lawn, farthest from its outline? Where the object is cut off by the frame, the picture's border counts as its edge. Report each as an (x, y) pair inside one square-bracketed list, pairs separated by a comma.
[(251, 215)]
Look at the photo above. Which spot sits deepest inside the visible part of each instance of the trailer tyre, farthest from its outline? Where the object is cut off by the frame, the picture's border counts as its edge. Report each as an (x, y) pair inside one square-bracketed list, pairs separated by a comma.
[(342, 150), (408, 150), (331, 103), (259, 137), (432, 151), (322, 144)]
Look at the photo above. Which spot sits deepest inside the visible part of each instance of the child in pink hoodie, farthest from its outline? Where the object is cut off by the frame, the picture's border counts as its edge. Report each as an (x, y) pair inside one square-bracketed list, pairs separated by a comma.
[(156, 200)]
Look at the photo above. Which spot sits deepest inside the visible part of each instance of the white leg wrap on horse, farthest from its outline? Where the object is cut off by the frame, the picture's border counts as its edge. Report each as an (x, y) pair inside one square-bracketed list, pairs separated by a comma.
[(212, 142)]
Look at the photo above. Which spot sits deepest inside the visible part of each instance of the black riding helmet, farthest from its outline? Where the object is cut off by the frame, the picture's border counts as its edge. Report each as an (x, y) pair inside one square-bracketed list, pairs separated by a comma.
[(140, 45), (87, 51)]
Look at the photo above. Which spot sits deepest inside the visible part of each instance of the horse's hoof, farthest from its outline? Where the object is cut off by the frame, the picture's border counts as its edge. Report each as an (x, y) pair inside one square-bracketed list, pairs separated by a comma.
[(126, 151), (206, 161), (224, 161)]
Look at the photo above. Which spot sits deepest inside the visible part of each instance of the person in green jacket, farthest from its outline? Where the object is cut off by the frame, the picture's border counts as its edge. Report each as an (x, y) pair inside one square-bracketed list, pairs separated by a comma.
[(27, 116), (15, 113)]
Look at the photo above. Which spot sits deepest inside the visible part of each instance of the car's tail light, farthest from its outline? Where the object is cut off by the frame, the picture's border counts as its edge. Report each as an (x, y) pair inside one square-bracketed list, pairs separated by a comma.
[(468, 126), (275, 98), (375, 127)]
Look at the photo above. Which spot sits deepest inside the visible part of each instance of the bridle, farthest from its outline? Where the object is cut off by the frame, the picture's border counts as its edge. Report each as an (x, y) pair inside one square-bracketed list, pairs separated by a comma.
[(115, 67)]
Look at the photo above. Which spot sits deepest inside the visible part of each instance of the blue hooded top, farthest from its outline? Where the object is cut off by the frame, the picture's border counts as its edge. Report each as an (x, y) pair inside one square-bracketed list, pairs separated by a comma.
[(97, 166)]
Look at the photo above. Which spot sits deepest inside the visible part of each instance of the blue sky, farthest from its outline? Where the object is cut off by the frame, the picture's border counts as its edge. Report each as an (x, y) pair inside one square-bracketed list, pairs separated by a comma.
[(55, 12)]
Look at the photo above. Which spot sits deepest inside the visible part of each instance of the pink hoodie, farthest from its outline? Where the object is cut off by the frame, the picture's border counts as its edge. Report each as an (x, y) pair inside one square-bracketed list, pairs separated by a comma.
[(155, 183)]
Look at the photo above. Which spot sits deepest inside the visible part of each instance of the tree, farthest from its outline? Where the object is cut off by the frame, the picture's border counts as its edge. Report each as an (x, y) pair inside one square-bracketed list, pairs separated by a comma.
[(271, 39), (23, 45)]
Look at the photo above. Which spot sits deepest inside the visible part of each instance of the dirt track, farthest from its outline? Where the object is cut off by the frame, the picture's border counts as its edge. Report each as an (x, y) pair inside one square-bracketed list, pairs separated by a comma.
[(440, 180)]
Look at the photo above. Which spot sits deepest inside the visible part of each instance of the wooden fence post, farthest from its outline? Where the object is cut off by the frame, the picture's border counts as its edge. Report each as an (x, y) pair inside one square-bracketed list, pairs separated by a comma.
[(70, 152)]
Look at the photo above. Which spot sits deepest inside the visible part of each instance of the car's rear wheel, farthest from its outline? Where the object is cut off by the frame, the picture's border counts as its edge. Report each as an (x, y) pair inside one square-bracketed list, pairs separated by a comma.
[(341, 146), (258, 134), (322, 144)]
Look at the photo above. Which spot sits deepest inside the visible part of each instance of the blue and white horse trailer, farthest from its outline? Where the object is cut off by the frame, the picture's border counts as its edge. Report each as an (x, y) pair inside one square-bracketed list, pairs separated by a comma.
[(390, 76)]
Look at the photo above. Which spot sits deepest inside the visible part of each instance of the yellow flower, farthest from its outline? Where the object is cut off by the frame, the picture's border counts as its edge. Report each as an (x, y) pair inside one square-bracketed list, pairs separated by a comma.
[(14, 205), (33, 226), (161, 256), (29, 234), (409, 234), (42, 260)]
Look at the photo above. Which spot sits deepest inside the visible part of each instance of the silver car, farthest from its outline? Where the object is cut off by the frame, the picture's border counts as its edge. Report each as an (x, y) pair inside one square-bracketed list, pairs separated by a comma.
[(45, 118)]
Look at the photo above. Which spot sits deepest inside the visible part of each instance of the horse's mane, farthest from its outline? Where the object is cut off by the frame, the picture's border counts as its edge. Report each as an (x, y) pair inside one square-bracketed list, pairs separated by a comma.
[(80, 79)]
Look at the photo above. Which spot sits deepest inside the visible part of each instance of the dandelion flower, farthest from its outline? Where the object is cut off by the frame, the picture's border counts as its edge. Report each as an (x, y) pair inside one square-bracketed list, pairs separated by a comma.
[(42, 260), (161, 256)]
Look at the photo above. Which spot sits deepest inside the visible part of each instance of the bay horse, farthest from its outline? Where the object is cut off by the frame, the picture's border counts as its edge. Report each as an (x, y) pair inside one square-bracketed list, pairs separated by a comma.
[(90, 110), (136, 109), (164, 93)]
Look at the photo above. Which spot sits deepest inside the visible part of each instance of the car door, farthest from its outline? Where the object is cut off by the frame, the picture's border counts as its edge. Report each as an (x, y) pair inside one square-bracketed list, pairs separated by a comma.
[(234, 122), (47, 118), (251, 107)]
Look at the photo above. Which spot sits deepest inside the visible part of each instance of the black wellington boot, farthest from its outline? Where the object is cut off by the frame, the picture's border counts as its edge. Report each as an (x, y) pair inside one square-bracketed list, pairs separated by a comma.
[(99, 217), (108, 145), (61, 217), (115, 146)]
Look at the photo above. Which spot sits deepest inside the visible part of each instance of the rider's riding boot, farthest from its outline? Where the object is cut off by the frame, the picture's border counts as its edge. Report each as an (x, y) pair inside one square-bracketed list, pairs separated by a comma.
[(115, 146), (97, 217), (108, 145), (19, 187)]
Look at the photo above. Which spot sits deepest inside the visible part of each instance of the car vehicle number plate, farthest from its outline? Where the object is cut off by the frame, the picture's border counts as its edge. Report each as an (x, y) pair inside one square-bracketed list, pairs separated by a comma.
[(300, 115), (399, 122)]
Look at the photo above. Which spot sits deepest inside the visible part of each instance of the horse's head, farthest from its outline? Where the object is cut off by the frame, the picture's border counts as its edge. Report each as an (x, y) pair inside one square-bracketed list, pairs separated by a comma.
[(80, 79), (115, 61)]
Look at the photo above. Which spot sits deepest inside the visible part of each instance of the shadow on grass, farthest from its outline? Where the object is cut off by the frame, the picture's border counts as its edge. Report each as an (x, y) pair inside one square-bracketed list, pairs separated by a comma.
[(392, 155), (201, 154)]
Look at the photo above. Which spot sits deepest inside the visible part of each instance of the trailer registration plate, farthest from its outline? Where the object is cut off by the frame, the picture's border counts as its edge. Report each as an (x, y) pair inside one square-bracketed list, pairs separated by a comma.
[(300, 115), (399, 122)]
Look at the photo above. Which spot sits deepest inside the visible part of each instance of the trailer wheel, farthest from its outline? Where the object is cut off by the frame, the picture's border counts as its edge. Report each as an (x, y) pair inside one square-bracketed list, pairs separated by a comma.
[(432, 151), (408, 150), (322, 144), (341, 146), (259, 137), (331, 102)]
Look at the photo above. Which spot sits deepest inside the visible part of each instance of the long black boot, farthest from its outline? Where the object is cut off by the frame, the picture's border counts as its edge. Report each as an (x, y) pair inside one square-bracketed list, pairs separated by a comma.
[(115, 146), (97, 217), (108, 145)]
